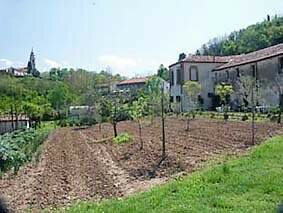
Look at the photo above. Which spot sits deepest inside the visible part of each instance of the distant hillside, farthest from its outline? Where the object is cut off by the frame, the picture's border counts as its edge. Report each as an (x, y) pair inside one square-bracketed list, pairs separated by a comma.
[(254, 37)]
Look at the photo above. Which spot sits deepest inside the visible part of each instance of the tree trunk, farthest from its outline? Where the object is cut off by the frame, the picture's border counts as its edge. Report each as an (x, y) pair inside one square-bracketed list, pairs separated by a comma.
[(140, 133), (99, 127), (17, 120), (253, 116), (115, 129), (280, 107), (12, 117), (163, 126), (188, 124)]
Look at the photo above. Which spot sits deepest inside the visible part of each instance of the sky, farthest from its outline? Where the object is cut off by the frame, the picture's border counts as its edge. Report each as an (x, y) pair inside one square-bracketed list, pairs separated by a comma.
[(132, 37)]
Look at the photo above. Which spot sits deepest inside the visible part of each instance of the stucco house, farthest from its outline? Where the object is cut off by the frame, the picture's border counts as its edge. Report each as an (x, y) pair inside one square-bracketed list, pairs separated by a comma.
[(265, 65)]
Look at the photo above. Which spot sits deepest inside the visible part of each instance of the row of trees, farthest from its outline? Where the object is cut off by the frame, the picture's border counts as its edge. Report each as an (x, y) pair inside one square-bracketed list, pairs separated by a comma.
[(49, 97)]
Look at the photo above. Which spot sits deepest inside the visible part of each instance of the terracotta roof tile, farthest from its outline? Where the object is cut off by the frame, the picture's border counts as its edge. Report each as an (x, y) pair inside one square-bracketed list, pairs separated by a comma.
[(133, 81), (210, 59), (253, 56)]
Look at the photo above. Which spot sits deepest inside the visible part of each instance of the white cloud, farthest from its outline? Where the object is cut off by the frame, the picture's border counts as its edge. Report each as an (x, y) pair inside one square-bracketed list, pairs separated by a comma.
[(5, 62), (52, 64), (46, 64), (122, 65)]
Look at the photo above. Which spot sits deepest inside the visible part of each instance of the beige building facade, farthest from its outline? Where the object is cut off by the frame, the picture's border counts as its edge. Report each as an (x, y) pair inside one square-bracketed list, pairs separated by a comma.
[(265, 66)]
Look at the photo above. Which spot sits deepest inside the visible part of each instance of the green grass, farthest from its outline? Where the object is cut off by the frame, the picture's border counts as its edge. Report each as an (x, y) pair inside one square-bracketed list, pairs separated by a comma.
[(251, 183)]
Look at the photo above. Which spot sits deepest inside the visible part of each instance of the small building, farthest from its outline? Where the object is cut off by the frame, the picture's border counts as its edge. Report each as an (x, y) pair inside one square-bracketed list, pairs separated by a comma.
[(132, 84), (264, 65), (10, 124), (81, 112)]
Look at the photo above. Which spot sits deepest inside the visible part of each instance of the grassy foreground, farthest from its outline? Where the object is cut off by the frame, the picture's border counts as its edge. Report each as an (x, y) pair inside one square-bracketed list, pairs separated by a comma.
[(252, 183)]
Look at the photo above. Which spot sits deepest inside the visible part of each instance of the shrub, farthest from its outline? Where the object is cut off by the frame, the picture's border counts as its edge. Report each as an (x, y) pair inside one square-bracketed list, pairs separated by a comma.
[(245, 117), (122, 138), (62, 123), (212, 115), (18, 147)]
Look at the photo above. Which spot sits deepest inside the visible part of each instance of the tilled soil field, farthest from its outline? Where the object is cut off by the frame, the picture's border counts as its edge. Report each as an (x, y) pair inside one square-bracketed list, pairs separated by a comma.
[(75, 164)]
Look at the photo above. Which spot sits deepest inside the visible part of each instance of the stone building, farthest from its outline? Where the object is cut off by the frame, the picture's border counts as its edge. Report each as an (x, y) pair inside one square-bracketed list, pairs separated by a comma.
[(265, 65)]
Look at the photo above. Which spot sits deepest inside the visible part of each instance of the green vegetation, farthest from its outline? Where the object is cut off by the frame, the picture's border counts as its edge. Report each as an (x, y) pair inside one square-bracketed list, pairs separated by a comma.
[(137, 112), (49, 97), (122, 138), (193, 90), (252, 183), (236, 116), (254, 37), (224, 91), (19, 147)]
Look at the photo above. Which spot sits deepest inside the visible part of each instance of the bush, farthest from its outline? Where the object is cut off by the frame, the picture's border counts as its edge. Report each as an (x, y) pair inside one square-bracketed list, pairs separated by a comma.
[(245, 117), (122, 138), (18, 147), (62, 123), (212, 115)]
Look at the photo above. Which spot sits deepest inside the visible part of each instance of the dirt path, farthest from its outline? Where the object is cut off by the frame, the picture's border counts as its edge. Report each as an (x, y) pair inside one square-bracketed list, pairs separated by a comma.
[(72, 167)]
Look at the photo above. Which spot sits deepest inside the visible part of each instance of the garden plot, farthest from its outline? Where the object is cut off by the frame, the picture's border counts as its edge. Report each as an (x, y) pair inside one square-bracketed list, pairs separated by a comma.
[(77, 164)]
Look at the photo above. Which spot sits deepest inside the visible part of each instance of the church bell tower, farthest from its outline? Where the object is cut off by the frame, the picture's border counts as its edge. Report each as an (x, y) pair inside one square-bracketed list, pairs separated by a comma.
[(31, 64)]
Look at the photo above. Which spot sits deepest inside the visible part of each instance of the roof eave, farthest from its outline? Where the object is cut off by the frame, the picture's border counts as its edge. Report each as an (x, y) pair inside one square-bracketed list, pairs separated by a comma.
[(247, 62)]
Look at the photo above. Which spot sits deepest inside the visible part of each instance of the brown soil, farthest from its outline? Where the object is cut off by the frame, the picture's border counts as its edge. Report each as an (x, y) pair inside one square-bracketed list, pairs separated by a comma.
[(74, 166)]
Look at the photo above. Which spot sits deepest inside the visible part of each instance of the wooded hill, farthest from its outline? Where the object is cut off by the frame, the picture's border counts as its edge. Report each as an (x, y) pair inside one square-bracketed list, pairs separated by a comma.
[(258, 36)]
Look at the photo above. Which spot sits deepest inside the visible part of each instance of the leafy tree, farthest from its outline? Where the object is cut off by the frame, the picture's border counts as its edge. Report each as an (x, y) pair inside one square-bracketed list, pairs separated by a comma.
[(267, 33), (192, 89), (250, 94), (137, 111), (224, 91), (60, 97), (158, 104), (163, 72), (115, 107), (35, 107)]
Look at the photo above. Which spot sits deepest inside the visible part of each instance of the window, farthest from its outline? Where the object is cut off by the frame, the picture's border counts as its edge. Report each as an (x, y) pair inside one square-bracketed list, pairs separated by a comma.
[(178, 76), (193, 73), (215, 76), (171, 75), (280, 65), (171, 99), (227, 75), (178, 98), (254, 71), (238, 72), (210, 94)]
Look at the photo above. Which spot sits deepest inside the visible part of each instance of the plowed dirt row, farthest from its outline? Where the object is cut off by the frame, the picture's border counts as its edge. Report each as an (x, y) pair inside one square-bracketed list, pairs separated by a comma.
[(73, 167)]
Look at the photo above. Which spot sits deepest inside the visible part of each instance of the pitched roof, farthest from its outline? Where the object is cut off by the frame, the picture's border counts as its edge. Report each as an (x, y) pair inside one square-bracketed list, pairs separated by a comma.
[(133, 81), (253, 56), (209, 58), (206, 59)]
